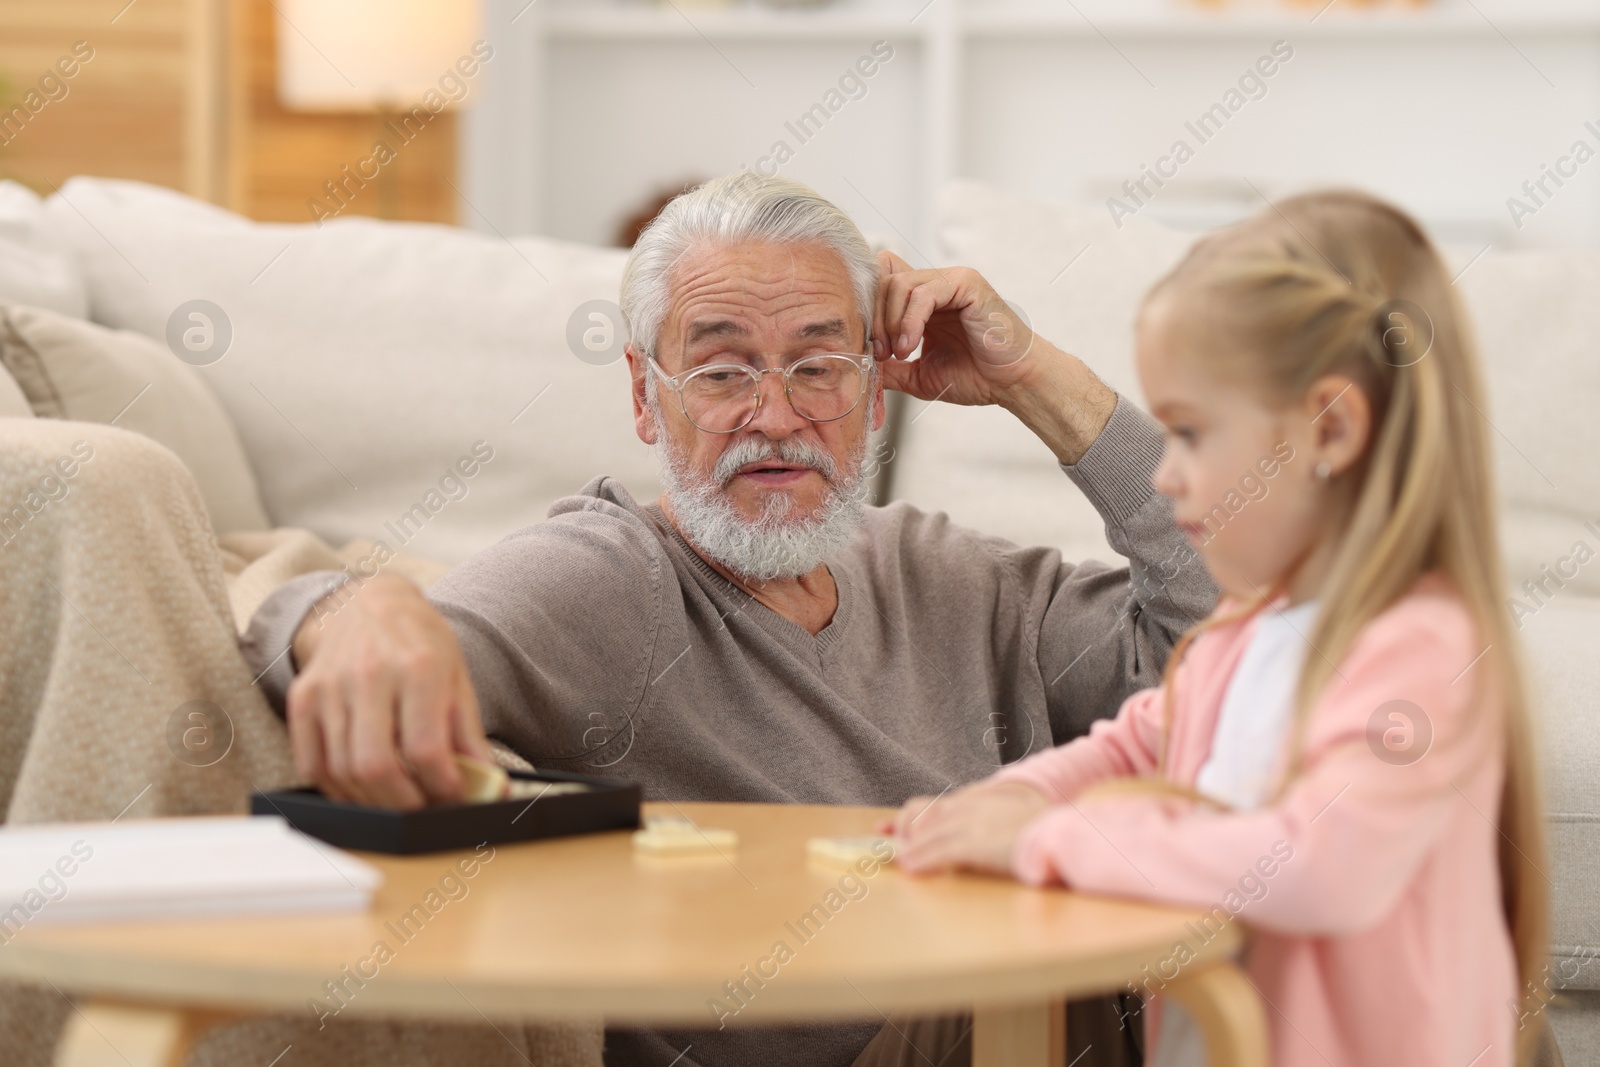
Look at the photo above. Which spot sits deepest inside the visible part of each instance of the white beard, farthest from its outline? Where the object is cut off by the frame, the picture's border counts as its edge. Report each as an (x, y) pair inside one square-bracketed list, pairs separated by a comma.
[(772, 545)]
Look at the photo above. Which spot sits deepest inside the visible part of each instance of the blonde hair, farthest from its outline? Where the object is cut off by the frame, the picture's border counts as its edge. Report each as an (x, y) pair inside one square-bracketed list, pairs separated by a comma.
[(1340, 282)]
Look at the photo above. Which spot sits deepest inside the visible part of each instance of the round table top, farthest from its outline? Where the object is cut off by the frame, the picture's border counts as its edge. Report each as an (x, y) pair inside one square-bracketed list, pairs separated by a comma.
[(583, 926)]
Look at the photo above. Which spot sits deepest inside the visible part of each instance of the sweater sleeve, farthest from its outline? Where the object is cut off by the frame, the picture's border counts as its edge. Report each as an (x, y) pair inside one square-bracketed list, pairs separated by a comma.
[(1105, 631), (1114, 748), (1338, 848), (266, 642), (558, 625)]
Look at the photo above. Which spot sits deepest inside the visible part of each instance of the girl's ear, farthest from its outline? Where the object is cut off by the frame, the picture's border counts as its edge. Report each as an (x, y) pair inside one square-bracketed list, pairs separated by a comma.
[(1341, 422)]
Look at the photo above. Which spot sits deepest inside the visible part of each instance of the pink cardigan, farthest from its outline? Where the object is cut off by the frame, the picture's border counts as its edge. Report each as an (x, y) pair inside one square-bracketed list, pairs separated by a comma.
[(1371, 888)]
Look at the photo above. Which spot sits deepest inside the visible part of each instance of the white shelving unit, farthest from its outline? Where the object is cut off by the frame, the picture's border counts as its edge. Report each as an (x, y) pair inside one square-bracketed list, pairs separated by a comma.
[(625, 23), (635, 21), (981, 82)]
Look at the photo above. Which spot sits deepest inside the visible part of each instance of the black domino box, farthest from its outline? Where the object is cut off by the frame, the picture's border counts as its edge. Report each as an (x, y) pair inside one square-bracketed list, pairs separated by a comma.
[(608, 804)]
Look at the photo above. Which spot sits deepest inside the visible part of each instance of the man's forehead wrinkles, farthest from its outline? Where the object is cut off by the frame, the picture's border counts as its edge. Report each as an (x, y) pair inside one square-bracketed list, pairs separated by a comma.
[(691, 272), (724, 296), (747, 282), (730, 293), (713, 303)]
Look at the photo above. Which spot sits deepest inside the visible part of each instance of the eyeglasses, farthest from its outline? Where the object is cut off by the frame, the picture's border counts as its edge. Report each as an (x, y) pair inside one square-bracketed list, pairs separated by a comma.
[(724, 397)]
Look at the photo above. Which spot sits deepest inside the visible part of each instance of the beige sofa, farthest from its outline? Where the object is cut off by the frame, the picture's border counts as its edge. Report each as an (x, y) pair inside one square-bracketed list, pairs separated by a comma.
[(357, 361)]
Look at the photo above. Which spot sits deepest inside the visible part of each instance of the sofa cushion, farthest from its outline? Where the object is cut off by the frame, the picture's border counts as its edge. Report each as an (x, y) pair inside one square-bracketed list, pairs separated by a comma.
[(1537, 314), (13, 404), (368, 360), (37, 266), (72, 369), (1565, 676)]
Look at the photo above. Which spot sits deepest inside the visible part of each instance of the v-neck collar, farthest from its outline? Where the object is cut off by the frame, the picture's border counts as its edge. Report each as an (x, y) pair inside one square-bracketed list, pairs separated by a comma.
[(783, 628)]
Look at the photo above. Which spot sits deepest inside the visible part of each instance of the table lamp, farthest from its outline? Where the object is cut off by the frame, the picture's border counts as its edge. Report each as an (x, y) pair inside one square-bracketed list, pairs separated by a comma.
[(369, 55), (382, 56)]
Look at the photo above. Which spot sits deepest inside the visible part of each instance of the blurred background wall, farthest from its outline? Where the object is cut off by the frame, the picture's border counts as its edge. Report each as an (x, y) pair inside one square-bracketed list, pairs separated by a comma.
[(583, 113), (126, 111), (1447, 107)]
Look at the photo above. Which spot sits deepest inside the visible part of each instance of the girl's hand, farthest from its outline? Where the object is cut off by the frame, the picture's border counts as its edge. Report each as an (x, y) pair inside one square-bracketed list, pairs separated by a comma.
[(975, 828)]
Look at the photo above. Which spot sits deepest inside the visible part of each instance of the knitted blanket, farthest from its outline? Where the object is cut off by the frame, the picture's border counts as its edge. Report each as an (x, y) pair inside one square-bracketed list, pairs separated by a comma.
[(118, 615)]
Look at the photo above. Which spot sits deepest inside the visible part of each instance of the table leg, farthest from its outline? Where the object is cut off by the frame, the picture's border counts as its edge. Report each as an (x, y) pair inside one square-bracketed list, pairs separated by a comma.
[(1228, 1011), (105, 1034), (1030, 1035)]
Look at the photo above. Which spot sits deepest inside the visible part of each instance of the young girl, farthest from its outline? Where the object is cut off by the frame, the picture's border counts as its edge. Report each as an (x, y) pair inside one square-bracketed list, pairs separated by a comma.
[(1339, 756)]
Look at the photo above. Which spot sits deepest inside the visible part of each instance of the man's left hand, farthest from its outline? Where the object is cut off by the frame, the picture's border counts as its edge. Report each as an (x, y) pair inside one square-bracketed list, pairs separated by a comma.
[(975, 348)]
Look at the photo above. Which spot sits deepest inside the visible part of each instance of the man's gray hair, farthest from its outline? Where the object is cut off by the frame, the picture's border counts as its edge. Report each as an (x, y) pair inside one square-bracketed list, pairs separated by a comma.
[(747, 206)]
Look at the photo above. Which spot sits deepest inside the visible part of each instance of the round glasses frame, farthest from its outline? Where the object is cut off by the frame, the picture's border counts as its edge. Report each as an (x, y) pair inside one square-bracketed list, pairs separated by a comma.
[(677, 383)]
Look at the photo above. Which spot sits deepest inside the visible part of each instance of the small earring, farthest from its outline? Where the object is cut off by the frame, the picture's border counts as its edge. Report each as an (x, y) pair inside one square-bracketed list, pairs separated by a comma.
[(1323, 471)]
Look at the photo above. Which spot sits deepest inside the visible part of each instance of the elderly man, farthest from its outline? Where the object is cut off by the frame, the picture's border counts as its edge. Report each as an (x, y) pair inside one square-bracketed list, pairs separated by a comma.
[(758, 633)]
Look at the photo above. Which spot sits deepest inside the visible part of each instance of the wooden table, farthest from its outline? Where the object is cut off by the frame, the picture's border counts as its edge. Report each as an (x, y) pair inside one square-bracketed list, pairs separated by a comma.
[(583, 927)]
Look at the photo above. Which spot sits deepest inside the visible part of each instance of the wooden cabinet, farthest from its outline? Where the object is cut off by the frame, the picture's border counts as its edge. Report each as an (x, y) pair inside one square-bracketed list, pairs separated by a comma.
[(183, 93)]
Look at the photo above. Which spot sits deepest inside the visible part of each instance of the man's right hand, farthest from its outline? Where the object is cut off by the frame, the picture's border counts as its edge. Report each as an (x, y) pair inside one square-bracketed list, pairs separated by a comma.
[(382, 700)]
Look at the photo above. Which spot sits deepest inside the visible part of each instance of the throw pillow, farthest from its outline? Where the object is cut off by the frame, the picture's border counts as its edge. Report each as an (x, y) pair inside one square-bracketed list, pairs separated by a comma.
[(368, 363), (37, 266), (70, 369), (13, 404)]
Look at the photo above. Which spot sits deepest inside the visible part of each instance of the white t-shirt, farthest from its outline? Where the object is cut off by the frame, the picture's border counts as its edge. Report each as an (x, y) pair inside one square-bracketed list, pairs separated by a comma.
[(1257, 709), (1245, 749)]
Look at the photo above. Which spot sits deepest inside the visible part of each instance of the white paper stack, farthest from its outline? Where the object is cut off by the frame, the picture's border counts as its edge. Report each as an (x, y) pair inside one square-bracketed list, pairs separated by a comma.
[(172, 868)]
